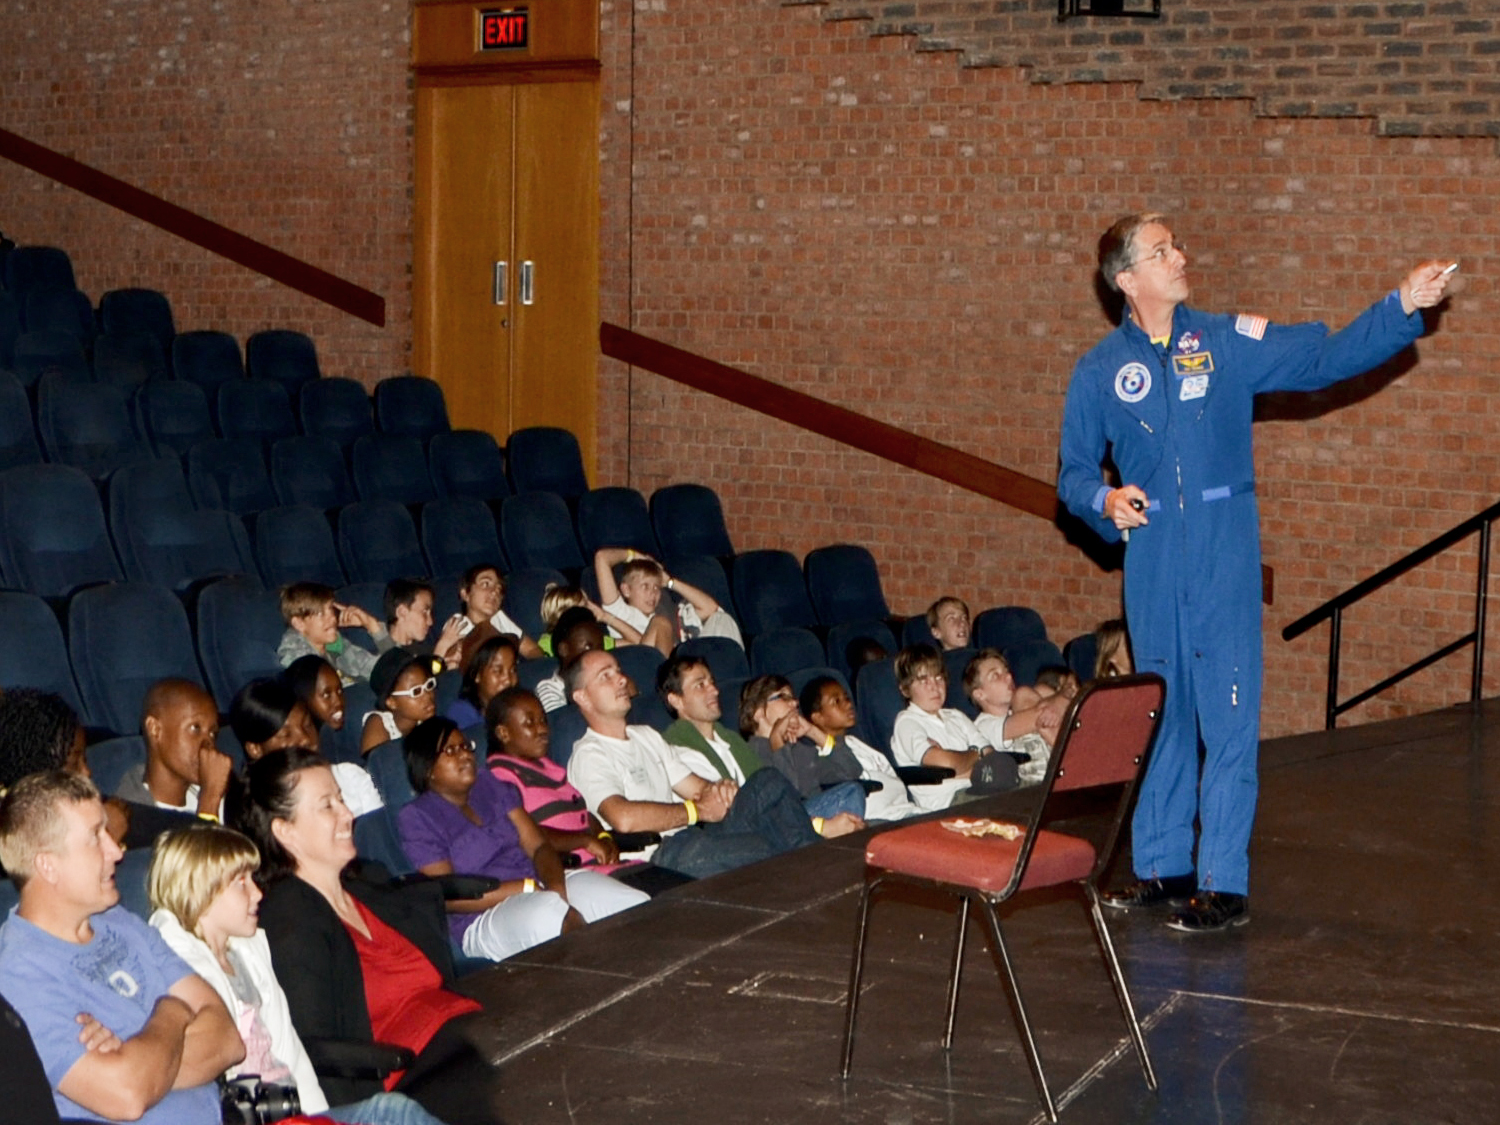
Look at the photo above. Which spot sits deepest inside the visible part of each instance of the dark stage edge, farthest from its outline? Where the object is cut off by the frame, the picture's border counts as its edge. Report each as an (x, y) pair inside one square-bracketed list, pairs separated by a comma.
[(1366, 987)]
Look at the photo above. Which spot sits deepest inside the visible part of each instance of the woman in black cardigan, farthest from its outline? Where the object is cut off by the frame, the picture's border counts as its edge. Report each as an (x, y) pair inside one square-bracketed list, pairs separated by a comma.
[(362, 962)]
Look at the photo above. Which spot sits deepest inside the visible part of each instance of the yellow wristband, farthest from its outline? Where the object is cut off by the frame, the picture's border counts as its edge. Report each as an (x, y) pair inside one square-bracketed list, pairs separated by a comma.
[(630, 554), (604, 836), (208, 816), (692, 812), (528, 886), (818, 825)]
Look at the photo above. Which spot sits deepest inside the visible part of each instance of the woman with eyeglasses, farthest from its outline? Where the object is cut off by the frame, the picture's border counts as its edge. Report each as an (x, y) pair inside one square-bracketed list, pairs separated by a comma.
[(405, 689), (466, 820)]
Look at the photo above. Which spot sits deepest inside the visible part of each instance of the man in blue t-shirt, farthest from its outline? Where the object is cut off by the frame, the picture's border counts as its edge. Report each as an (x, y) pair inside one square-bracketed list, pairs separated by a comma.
[(125, 1030)]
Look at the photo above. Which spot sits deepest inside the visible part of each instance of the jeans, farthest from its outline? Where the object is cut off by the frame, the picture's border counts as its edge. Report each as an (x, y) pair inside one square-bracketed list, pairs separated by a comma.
[(766, 819), (847, 796), (383, 1109)]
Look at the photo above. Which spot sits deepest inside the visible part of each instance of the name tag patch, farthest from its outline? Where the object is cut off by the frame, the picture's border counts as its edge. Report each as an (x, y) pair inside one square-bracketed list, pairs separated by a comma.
[(1199, 364), (1194, 386)]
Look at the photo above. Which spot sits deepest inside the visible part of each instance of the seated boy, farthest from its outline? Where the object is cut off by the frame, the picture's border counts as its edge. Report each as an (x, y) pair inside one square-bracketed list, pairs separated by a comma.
[(577, 632), (1031, 731), (927, 733), (948, 618), (636, 600), (830, 717), (408, 620), (184, 770), (313, 621)]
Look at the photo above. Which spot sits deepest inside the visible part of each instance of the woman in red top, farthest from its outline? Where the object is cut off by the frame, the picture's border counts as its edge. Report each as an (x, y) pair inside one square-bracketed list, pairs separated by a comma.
[(362, 962)]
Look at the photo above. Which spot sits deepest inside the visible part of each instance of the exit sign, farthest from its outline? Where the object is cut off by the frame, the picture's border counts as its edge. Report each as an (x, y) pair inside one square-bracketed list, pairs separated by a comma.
[(504, 30)]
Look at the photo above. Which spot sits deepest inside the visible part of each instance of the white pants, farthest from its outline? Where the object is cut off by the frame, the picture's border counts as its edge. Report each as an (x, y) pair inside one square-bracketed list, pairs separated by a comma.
[(522, 921)]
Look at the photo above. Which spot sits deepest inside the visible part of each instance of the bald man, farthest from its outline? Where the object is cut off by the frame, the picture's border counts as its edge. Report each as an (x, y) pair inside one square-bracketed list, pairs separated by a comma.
[(184, 770)]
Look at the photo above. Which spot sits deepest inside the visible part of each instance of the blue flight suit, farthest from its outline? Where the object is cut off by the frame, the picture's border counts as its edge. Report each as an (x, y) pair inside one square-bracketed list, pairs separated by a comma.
[(1176, 421)]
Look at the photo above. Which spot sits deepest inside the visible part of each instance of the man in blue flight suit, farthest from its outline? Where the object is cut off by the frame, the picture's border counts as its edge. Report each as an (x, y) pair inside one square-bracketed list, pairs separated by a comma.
[(1168, 396)]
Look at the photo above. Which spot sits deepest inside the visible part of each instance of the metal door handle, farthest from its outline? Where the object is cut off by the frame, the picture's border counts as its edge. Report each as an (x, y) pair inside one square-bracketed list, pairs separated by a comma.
[(499, 283), (528, 285)]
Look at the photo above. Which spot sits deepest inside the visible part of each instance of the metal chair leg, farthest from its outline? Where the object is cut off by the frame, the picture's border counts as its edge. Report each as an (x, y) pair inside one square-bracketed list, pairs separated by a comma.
[(1033, 1057), (856, 972), (958, 968), (1122, 993)]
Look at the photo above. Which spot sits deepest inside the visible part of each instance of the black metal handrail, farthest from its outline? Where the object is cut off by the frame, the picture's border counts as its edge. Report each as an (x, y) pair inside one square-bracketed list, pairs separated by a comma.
[(1333, 610)]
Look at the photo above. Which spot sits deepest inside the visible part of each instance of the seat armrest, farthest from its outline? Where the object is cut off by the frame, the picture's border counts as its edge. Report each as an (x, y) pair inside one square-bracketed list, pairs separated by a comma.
[(635, 841), (456, 887), (355, 1058), (924, 775)]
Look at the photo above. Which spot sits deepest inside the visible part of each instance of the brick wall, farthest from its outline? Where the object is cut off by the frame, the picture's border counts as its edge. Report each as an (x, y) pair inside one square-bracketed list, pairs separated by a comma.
[(286, 120), (913, 238)]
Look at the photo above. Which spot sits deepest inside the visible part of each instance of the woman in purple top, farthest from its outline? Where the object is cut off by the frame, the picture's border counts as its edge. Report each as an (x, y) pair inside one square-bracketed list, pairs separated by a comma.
[(465, 820)]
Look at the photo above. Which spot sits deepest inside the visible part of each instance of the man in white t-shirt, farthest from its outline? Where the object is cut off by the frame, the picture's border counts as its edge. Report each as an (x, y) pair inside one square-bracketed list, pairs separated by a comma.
[(635, 782)]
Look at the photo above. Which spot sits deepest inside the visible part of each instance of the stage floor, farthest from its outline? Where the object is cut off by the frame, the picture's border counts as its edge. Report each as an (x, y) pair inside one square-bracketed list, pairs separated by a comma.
[(1366, 987)]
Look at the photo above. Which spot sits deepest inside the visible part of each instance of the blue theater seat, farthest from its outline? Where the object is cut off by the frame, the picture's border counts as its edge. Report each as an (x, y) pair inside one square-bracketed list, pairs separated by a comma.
[(55, 539), (123, 638), (546, 459), (411, 405), (336, 408), (282, 356)]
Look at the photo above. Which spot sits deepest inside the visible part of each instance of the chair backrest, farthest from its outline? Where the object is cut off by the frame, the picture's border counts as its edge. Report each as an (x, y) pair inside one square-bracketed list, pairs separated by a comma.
[(174, 415), (706, 573), (458, 534), (392, 467), (123, 638), (207, 358), (842, 635), (524, 587), (567, 725), (58, 308), (1081, 655), (468, 464), (689, 520), (370, 597), (785, 649), (615, 517), (955, 660), (378, 541), (1106, 739), (640, 663), (35, 655), (878, 700), (38, 353), (255, 408), (18, 444), (128, 359), (546, 459), (1028, 657), (536, 530), (411, 405), (801, 677), (230, 473), (112, 758), (10, 328), (88, 426), (139, 310), (239, 627), (28, 266), (1006, 625), (769, 591), (161, 538), (387, 766), (336, 408), (55, 538), (725, 659), (282, 356), (295, 544), (844, 584), (310, 469)]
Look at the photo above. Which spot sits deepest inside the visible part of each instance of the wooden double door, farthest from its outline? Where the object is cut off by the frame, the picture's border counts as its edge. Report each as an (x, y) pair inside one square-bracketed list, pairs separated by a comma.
[(505, 285)]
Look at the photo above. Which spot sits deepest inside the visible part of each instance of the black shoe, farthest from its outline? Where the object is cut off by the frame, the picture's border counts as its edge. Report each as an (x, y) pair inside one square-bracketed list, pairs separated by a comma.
[(1174, 889), (1209, 911)]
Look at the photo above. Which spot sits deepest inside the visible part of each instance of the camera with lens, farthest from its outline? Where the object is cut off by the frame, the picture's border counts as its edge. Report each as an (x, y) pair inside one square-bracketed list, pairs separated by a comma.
[(247, 1100)]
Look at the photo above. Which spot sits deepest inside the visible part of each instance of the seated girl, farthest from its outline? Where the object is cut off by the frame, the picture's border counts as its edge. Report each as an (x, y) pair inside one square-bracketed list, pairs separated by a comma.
[(465, 820), (405, 689), (491, 670), (205, 905), (361, 961), (317, 684), (266, 715), (829, 712), (826, 779), (519, 736)]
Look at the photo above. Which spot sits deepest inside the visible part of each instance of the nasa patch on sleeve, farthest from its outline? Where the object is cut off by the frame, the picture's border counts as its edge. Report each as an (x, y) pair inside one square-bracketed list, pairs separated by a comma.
[(1132, 382)]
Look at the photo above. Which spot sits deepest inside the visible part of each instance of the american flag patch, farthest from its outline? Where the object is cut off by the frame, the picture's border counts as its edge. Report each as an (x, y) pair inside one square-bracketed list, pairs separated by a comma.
[(1252, 326)]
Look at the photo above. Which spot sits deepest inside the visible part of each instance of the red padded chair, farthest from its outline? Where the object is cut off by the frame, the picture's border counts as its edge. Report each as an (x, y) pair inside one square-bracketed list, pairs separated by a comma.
[(1106, 738)]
